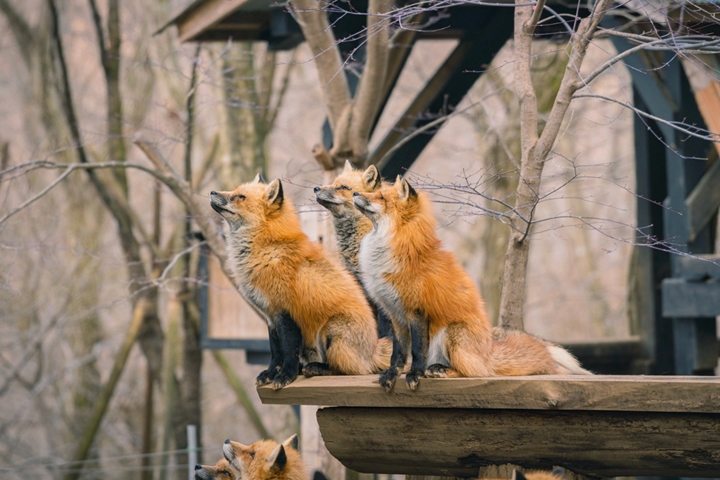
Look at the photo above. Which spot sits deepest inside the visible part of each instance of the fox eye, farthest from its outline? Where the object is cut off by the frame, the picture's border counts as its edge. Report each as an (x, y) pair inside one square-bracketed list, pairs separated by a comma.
[(237, 197), (225, 472), (382, 198), (343, 187), (252, 454)]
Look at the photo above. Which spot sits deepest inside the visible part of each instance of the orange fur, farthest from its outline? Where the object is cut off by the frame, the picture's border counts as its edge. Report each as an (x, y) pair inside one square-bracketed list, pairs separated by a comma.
[(280, 270), (220, 471), (266, 460), (407, 272)]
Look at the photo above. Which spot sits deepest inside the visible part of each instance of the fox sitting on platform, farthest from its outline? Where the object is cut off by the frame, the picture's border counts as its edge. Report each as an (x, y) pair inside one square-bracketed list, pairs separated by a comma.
[(308, 299), (265, 460), (429, 296), (351, 226)]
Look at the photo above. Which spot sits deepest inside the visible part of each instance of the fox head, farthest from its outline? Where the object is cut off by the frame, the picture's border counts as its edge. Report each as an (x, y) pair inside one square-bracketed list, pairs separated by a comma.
[(264, 459), (220, 471), (396, 204), (338, 196), (250, 204)]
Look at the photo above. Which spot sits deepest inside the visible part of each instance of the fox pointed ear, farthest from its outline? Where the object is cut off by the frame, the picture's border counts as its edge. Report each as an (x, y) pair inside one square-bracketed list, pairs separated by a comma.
[(348, 167), (406, 190), (277, 459), (291, 442), (518, 475), (275, 192), (258, 179), (371, 178)]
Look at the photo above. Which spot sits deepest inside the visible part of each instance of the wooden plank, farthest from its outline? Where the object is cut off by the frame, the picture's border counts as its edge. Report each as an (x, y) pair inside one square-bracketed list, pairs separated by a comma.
[(700, 267), (690, 299), (546, 392), (704, 200), (204, 15), (458, 442)]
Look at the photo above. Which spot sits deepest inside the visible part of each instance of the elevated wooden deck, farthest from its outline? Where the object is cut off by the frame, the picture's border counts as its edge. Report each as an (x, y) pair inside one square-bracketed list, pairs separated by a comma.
[(602, 426)]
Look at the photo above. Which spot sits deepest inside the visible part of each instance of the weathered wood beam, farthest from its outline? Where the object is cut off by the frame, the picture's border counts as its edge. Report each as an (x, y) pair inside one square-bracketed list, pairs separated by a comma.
[(700, 267), (704, 200), (422, 101), (683, 299), (459, 442), (543, 392), (202, 16)]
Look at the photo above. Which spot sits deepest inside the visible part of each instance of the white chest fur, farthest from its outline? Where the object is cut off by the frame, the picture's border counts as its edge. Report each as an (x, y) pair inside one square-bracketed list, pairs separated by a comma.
[(241, 264), (376, 261)]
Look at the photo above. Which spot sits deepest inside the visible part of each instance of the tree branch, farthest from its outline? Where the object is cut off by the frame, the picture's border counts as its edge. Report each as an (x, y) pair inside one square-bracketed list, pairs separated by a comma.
[(367, 101), (319, 36)]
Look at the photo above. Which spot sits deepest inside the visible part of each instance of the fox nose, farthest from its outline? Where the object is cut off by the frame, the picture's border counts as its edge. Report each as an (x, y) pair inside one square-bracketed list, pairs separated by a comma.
[(213, 192), (227, 440), (316, 189), (356, 194), (198, 467)]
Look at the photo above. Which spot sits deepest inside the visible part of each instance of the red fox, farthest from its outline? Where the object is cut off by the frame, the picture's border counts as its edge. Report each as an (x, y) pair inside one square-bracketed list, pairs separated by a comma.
[(351, 225), (266, 460), (308, 298), (427, 293), (220, 471)]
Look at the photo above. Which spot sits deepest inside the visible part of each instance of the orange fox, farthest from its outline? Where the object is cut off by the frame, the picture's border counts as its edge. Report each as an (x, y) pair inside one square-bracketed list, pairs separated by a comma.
[(309, 300), (220, 471), (266, 460), (432, 301), (351, 225)]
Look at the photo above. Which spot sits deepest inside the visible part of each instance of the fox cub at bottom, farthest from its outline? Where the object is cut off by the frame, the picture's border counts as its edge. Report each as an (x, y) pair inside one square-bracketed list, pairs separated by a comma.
[(265, 460)]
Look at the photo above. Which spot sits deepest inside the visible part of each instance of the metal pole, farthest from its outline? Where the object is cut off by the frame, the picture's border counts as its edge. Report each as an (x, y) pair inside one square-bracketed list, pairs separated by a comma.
[(192, 450)]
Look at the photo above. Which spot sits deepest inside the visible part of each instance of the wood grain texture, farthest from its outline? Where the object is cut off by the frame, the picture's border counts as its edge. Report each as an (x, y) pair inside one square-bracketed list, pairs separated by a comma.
[(459, 442), (547, 392)]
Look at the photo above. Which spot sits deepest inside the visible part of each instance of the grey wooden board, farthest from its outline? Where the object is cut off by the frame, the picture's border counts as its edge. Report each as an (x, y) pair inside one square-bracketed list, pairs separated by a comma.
[(690, 299), (543, 392), (458, 442), (700, 267)]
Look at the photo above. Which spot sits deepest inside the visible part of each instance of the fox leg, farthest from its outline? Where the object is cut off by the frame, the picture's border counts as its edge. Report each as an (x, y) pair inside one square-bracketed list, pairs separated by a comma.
[(291, 346), (419, 331), (385, 327), (398, 358), (276, 359)]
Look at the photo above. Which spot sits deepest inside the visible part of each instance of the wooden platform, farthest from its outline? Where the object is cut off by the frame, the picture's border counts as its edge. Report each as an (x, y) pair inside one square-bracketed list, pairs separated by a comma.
[(602, 426)]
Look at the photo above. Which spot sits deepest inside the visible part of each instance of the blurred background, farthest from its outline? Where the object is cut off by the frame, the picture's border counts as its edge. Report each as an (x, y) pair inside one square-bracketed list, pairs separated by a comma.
[(69, 293)]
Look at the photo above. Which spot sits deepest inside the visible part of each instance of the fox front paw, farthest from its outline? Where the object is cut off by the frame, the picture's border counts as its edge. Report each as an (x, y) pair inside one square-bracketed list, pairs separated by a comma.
[(436, 370), (282, 380), (412, 378), (266, 376), (316, 369), (388, 378)]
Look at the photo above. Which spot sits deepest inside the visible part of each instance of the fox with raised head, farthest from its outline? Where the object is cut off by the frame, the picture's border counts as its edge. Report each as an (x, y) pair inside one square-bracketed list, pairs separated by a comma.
[(265, 460), (351, 226), (220, 471), (312, 305), (433, 301)]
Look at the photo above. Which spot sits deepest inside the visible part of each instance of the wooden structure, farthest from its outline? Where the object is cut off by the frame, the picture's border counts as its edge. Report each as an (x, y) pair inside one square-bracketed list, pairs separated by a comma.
[(602, 426), (678, 297)]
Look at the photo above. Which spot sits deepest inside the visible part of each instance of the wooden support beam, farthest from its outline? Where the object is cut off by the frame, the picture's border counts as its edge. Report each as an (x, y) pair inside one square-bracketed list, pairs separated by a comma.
[(684, 299), (700, 267), (203, 16), (458, 442), (704, 200), (543, 392)]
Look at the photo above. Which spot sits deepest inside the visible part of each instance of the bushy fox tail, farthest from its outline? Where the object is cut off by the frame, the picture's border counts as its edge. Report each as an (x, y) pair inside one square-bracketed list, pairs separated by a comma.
[(566, 361), (382, 353), (517, 353)]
